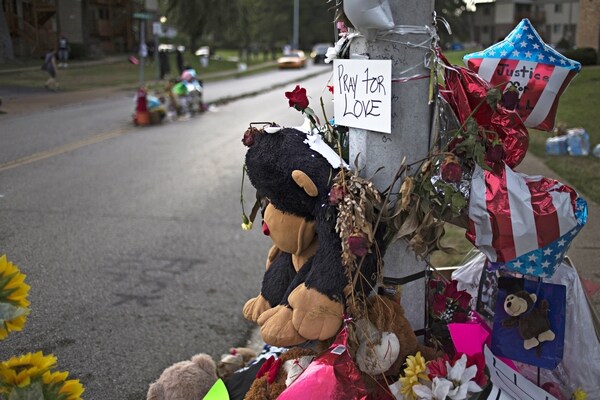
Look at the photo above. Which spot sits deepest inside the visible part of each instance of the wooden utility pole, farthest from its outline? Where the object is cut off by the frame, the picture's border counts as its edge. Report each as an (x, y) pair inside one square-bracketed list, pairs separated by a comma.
[(411, 125)]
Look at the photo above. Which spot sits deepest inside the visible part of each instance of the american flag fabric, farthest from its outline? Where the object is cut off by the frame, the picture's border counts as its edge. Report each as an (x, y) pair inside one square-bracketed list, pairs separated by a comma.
[(524, 222), (537, 73)]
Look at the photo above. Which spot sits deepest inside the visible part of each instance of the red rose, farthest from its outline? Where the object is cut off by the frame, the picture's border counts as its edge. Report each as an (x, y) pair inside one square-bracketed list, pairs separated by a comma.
[(359, 245), (494, 153), (439, 304), (249, 135), (297, 98), (336, 194), (437, 367), (451, 170)]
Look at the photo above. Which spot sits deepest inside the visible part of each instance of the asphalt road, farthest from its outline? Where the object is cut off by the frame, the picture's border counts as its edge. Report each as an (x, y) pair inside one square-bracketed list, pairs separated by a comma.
[(130, 237)]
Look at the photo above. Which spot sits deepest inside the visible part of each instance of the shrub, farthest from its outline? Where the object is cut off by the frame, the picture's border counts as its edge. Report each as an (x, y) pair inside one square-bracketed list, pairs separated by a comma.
[(585, 55)]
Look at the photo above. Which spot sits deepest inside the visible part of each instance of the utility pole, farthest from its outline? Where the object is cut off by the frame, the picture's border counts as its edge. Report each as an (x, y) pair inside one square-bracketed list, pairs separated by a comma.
[(411, 125), (295, 39)]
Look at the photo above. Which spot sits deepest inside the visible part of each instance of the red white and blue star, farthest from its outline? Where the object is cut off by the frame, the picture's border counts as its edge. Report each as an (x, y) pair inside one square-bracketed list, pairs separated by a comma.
[(523, 63)]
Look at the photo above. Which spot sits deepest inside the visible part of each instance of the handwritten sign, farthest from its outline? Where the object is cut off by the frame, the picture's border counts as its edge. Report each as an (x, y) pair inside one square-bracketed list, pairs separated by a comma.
[(362, 94)]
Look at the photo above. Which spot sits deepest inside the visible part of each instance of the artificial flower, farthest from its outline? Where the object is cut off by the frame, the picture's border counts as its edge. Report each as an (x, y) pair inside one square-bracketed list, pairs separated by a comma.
[(437, 367), (413, 373), (478, 360), (461, 376), (440, 387), (579, 394), (20, 371), (246, 223), (358, 244), (297, 98)]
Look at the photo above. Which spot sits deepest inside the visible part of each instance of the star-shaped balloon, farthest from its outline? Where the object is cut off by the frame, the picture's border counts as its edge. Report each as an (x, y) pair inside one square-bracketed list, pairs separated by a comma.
[(531, 74)]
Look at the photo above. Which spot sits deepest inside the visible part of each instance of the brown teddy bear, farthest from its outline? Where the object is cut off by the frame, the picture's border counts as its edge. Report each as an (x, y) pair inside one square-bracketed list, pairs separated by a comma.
[(185, 380), (533, 322)]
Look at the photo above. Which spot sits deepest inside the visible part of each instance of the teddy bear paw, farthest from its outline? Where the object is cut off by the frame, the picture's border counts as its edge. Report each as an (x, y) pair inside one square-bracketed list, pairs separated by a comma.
[(315, 316), (276, 327), (255, 307)]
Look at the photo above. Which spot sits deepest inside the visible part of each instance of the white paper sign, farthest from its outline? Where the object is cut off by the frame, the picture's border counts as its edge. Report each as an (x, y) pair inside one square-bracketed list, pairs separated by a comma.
[(508, 384), (363, 94)]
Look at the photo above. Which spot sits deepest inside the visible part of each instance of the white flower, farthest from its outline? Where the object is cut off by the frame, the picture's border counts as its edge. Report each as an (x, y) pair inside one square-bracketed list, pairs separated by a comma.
[(440, 387), (461, 377)]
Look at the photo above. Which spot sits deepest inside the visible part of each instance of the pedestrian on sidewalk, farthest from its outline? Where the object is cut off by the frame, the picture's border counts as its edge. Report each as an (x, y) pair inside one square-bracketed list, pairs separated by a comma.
[(63, 51), (49, 66)]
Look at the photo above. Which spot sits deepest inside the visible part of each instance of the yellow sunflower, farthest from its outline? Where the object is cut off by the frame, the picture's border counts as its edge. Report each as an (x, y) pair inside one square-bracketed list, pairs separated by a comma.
[(13, 290), (20, 371), (57, 383), (414, 371)]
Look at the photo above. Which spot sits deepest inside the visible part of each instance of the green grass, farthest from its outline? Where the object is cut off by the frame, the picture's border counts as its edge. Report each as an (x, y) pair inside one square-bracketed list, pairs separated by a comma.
[(579, 106), (117, 74)]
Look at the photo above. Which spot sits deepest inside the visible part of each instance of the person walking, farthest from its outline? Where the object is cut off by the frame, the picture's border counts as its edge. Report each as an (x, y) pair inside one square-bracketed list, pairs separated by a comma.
[(63, 51), (49, 66)]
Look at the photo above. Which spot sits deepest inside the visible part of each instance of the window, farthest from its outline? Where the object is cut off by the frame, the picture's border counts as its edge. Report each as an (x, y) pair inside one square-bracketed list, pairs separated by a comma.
[(556, 28), (558, 8), (485, 29), (486, 10)]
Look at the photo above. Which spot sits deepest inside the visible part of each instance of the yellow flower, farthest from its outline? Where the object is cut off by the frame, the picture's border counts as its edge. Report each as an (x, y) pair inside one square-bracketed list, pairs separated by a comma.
[(73, 389), (246, 223), (579, 394), (20, 371), (13, 290), (415, 370)]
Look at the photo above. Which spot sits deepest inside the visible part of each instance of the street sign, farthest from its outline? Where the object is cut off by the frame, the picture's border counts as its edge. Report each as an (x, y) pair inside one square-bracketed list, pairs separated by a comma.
[(143, 15)]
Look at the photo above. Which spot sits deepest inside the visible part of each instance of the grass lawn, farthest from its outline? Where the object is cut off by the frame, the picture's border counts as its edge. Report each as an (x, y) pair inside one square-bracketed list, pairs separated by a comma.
[(120, 73)]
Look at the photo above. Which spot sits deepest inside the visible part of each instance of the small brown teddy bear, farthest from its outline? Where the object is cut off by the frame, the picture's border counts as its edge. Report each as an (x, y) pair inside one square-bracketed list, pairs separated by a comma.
[(533, 323), (185, 380)]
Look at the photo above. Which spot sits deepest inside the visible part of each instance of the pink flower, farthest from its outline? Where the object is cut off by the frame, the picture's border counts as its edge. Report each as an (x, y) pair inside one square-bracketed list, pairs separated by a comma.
[(297, 98), (358, 243)]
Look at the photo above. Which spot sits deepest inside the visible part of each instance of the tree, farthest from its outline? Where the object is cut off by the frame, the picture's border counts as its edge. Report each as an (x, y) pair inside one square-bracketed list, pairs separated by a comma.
[(7, 53), (456, 14)]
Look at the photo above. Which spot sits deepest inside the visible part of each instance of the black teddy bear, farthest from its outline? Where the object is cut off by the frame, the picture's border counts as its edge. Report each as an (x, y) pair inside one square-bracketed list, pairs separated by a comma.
[(305, 287)]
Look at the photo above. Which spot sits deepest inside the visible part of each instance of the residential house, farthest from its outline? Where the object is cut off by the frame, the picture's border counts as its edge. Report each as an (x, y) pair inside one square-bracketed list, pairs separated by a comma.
[(92, 27), (555, 20)]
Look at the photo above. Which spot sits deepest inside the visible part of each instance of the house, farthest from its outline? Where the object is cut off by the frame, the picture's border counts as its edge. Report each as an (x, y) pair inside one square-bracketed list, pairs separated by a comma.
[(93, 27), (555, 21)]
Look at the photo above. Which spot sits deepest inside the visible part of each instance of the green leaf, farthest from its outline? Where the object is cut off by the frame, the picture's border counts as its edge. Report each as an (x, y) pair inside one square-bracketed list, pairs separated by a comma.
[(29, 392), (9, 312)]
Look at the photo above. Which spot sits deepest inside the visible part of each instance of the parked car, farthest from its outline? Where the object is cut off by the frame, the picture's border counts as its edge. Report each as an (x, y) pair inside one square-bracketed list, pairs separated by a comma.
[(293, 59), (318, 52)]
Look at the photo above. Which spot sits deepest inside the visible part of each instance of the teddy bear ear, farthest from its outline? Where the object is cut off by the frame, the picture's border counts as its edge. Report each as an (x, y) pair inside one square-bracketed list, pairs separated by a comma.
[(533, 297), (305, 183), (155, 392)]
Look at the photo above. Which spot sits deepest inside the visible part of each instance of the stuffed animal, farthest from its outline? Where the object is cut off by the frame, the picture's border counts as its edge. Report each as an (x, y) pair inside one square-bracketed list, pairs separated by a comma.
[(237, 359), (275, 375), (185, 380), (533, 323), (303, 290), (385, 338)]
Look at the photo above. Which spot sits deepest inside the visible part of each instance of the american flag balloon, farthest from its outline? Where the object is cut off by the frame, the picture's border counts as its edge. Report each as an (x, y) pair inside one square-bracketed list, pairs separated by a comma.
[(524, 222), (531, 74)]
